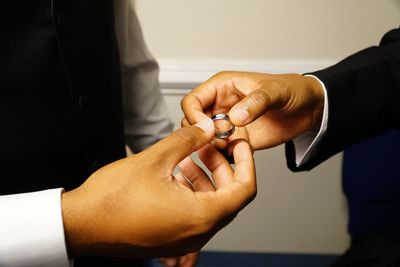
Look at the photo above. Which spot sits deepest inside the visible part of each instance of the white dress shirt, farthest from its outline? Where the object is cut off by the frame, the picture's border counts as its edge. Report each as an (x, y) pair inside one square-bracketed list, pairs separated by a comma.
[(31, 226), (305, 144)]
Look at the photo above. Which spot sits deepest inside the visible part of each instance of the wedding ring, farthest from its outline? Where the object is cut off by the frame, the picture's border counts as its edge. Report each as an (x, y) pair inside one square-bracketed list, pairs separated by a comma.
[(223, 133)]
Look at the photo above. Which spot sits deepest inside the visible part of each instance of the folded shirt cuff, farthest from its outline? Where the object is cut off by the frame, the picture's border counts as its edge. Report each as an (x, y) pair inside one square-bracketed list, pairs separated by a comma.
[(306, 143), (32, 230)]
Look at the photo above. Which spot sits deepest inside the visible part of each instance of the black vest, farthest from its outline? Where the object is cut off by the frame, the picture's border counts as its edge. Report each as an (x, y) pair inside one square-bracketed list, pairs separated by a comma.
[(60, 97)]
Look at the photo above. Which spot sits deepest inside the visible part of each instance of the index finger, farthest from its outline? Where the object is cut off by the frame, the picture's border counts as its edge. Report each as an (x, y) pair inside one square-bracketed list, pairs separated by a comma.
[(230, 198), (218, 92), (194, 103), (244, 187)]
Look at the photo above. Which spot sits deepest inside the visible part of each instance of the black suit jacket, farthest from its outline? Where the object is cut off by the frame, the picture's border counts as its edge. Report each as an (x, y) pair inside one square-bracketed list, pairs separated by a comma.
[(363, 96), (60, 97)]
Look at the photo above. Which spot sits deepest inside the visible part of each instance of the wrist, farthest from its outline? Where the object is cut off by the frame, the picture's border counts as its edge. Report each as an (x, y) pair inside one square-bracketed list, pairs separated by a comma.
[(317, 90), (73, 220)]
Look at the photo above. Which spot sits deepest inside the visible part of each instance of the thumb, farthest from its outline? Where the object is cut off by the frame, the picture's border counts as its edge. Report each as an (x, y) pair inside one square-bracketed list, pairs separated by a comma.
[(183, 142), (254, 105)]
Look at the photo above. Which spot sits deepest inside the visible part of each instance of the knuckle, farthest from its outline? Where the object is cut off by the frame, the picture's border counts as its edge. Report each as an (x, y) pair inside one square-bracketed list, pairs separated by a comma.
[(261, 99), (184, 100), (189, 103), (251, 186), (221, 75), (251, 193), (278, 88), (187, 136), (188, 99)]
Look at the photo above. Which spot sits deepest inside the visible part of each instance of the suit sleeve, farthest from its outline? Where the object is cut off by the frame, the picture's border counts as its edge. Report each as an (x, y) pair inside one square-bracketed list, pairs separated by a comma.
[(146, 115), (363, 93)]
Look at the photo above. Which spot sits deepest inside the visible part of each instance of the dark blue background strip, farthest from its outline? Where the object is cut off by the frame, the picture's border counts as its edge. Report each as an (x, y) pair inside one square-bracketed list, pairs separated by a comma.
[(239, 259)]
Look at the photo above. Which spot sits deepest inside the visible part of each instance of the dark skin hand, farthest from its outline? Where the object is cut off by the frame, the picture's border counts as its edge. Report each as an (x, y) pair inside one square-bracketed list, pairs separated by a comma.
[(271, 108), (135, 207)]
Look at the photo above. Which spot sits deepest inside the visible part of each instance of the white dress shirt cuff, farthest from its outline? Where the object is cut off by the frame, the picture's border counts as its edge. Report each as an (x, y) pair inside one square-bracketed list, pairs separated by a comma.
[(306, 143), (32, 231)]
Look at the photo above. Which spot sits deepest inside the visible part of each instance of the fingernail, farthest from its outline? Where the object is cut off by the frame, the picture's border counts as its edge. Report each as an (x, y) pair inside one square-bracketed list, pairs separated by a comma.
[(240, 114), (206, 125)]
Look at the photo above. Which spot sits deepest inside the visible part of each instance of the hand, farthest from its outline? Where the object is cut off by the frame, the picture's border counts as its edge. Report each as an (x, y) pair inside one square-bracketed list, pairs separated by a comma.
[(188, 260), (135, 207), (273, 109)]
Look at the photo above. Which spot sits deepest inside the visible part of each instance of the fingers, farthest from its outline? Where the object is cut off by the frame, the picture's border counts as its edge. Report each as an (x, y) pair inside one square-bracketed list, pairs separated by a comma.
[(194, 104), (218, 143), (246, 95), (245, 169), (222, 172), (230, 198), (180, 178), (181, 143), (254, 105), (197, 177), (218, 94)]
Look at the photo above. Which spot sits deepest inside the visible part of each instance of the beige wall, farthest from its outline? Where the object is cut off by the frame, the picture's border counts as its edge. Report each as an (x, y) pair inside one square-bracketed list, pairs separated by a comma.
[(303, 212), (264, 28)]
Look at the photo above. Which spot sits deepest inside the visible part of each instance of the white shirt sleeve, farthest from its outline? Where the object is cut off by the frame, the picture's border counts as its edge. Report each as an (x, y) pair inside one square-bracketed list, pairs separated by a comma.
[(145, 112), (305, 144), (32, 231)]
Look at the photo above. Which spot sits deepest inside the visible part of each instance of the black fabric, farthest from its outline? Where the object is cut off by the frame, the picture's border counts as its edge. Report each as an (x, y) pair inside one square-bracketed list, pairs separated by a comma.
[(60, 102), (60, 98), (374, 250), (110, 262), (363, 92)]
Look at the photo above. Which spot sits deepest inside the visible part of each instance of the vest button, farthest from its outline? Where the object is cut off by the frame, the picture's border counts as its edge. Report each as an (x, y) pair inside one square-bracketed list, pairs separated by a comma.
[(83, 102)]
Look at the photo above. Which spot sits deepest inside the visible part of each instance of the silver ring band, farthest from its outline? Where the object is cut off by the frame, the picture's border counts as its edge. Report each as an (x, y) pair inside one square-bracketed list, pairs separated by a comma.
[(223, 134)]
